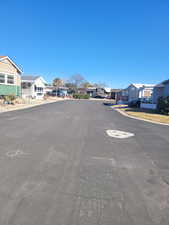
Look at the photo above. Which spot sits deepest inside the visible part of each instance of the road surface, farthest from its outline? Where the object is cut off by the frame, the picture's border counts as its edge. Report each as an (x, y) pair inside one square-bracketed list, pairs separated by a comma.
[(58, 166)]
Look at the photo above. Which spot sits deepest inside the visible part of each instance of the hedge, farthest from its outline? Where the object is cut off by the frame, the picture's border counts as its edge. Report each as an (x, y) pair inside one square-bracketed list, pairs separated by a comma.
[(163, 105), (81, 96)]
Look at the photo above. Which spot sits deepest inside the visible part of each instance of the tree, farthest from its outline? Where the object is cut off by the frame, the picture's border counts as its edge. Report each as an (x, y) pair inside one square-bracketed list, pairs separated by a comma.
[(77, 80), (57, 82), (87, 84), (163, 105), (100, 85), (72, 87)]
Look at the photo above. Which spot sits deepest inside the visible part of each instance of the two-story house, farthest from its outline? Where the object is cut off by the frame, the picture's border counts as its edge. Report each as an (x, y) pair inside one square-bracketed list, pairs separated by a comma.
[(140, 91), (10, 77)]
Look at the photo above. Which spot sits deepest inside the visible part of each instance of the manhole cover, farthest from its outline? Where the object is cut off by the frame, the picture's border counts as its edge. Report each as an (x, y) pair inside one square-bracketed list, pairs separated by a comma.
[(119, 134)]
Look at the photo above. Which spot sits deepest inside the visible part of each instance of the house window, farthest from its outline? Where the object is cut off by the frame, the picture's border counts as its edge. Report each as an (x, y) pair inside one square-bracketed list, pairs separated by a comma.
[(10, 79), (2, 78)]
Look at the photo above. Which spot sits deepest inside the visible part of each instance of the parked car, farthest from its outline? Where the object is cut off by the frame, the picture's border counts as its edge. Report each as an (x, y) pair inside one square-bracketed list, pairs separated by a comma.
[(100, 96), (135, 103), (108, 103)]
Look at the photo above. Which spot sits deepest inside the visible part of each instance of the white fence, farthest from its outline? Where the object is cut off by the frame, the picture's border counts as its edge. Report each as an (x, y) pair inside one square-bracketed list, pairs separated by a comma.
[(148, 106)]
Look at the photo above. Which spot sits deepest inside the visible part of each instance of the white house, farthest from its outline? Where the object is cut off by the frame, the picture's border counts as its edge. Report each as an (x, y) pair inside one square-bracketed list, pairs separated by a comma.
[(140, 91), (33, 87)]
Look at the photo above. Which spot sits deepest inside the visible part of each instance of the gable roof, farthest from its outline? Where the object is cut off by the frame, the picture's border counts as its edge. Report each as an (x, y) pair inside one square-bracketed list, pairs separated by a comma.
[(32, 78), (142, 85), (12, 62), (162, 84), (115, 90)]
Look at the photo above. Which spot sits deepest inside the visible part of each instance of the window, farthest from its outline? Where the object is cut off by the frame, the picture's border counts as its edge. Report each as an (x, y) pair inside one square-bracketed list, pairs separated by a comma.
[(2, 78), (10, 79), (26, 85), (38, 89)]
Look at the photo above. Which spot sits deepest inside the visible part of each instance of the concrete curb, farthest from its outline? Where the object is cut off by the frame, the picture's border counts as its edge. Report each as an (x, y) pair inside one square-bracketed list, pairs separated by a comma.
[(32, 106), (137, 118)]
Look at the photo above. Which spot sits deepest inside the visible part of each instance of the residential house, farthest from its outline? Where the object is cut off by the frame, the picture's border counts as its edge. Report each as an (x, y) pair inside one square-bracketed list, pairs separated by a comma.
[(82, 90), (140, 91), (60, 91), (91, 91), (10, 77), (107, 91), (33, 87), (161, 90), (114, 94), (103, 92), (122, 96), (49, 89)]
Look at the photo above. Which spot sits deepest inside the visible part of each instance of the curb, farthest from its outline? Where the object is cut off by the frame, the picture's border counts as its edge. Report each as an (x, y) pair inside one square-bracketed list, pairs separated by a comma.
[(137, 118), (30, 106)]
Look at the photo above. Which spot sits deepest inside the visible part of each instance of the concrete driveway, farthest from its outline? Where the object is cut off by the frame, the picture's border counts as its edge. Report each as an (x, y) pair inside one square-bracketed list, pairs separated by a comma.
[(58, 166)]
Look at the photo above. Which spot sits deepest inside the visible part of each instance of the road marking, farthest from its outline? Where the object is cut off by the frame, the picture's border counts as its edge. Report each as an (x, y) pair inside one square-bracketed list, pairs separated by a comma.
[(119, 134), (15, 153)]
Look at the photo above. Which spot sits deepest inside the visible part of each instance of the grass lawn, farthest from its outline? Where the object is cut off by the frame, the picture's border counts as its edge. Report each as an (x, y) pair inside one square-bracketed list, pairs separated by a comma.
[(147, 114)]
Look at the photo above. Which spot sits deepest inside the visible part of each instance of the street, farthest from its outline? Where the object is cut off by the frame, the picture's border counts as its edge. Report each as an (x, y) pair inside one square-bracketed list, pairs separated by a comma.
[(58, 166)]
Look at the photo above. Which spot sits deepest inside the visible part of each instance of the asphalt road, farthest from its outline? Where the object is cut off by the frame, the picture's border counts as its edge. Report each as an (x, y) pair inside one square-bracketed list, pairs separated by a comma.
[(59, 167)]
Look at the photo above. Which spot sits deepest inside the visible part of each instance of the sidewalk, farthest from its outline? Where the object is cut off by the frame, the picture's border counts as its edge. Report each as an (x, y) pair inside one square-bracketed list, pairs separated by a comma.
[(28, 103)]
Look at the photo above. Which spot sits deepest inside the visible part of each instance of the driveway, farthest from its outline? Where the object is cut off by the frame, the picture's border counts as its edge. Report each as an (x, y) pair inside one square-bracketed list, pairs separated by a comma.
[(58, 166)]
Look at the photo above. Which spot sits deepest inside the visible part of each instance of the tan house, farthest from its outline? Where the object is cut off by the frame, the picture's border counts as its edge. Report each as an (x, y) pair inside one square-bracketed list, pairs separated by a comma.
[(10, 77)]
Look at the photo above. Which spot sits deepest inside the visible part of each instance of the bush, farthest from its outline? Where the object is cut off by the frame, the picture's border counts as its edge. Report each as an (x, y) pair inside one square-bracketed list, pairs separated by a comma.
[(163, 105), (81, 96), (9, 99)]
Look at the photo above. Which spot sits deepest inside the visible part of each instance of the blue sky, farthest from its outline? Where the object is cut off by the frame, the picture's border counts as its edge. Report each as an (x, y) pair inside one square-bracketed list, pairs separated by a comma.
[(116, 42)]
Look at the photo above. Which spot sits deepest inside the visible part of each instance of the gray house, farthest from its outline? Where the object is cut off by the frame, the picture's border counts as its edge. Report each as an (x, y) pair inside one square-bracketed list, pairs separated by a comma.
[(161, 90), (140, 91)]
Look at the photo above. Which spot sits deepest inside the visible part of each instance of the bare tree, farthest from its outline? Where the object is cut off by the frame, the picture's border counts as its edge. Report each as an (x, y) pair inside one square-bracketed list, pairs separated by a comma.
[(77, 80), (87, 84), (100, 85)]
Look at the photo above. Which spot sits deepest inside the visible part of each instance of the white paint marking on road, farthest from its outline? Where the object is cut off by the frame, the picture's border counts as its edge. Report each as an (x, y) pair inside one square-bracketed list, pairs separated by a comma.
[(15, 153), (119, 134)]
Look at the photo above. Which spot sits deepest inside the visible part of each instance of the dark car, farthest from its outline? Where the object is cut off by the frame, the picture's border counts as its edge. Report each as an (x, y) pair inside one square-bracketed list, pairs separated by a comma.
[(108, 103), (100, 96), (135, 103)]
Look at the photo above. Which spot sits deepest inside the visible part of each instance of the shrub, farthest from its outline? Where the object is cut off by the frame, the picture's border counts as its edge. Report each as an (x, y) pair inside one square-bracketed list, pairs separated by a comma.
[(81, 96), (163, 105), (9, 99)]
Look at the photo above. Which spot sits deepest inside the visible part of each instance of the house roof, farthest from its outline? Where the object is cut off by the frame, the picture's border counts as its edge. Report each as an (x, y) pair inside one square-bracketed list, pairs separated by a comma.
[(116, 90), (32, 78), (1, 57), (107, 89), (142, 85), (162, 84), (11, 61)]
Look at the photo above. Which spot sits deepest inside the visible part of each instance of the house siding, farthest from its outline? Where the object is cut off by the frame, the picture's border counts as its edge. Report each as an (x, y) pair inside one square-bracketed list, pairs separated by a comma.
[(160, 92), (166, 90), (133, 93), (7, 68), (33, 91), (10, 90)]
